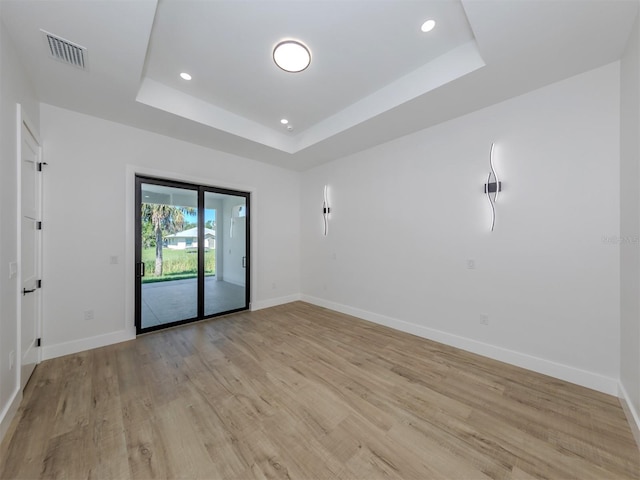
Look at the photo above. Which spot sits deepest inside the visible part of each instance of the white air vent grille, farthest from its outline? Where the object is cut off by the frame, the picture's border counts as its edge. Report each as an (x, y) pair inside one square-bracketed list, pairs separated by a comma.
[(65, 51)]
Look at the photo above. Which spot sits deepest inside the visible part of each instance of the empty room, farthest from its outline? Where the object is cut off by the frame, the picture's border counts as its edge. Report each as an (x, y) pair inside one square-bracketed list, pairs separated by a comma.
[(317, 239)]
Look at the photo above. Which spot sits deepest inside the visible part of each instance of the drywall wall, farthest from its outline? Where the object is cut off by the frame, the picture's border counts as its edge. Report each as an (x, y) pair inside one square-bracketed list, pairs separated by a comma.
[(15, 88), (409, 242), (630, 227), (89, 219)]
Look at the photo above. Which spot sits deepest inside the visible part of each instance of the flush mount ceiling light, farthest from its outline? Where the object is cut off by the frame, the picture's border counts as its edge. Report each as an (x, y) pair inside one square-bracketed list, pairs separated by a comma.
[(292, 56), (284, 121), (185, 76), (428, 26)]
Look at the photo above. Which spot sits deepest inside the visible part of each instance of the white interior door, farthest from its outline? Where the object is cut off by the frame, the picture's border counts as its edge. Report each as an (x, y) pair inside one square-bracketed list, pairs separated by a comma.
[(30, 242)]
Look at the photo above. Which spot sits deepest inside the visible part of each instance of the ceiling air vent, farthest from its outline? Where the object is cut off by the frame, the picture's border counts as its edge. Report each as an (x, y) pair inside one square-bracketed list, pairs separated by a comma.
[(65, 51)]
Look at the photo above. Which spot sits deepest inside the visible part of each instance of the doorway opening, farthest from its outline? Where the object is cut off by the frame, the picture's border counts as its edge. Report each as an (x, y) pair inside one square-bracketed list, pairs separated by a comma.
[(192, 252)]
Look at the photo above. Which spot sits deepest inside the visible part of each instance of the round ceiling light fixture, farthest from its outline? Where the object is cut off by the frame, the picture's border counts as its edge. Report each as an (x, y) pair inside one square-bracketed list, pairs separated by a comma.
[(292, 56), (428, 26), (185, 76)]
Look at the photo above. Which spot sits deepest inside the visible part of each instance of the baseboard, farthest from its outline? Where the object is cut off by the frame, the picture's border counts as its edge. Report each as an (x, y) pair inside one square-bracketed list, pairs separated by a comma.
[(238, 283), (633, 416), (75, 346), (274, 302), (584, 378), (9, 412)]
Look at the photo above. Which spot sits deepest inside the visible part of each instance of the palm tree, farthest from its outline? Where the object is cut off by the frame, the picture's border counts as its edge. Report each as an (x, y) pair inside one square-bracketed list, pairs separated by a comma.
[(164, 219)]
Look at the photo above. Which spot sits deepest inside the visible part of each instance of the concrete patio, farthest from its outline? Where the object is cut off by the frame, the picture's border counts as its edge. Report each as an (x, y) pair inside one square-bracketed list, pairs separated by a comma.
[(172, 301)]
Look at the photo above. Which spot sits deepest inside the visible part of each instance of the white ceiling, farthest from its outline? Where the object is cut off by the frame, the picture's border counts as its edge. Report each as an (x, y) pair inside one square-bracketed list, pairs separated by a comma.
[(374, 75)]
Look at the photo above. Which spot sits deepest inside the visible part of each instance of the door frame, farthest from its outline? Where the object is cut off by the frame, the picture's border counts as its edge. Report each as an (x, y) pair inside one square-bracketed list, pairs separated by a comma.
[(22, 119), (201, 189), (128, 280)]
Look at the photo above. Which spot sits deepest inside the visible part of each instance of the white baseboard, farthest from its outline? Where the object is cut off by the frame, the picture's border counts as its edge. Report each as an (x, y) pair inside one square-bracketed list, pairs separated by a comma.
[(75, 346), (633, 416), (9, 412), (237, 282), (584, 378), (274, 302)]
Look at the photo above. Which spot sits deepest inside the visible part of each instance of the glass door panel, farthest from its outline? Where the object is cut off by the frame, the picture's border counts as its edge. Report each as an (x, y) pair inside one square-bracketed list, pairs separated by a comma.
[(227, 289), (192, 257), (168, 268)]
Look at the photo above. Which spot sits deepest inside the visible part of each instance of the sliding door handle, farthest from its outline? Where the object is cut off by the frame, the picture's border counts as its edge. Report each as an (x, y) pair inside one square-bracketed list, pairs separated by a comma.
[(140, 269), (244, 262)]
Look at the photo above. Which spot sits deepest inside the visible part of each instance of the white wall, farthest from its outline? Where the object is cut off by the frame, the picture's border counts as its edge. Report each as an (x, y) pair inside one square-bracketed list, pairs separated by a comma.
[(630, 227), (14, 88), (89, 211), (406, 217)]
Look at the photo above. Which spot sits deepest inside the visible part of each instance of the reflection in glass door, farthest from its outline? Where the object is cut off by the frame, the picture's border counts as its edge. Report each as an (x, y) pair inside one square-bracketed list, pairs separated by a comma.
[(227, 289), (191, 252)]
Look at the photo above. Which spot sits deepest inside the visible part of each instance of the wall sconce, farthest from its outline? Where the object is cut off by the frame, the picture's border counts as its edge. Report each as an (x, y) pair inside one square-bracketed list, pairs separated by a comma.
[(492, 188), (325, 211)]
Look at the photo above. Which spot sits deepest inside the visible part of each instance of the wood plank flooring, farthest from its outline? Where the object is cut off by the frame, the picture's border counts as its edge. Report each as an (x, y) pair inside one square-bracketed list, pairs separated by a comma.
[(301, 392)]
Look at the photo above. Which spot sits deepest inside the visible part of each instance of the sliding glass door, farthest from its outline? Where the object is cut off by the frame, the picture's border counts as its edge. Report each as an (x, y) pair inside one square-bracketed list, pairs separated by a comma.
[(192, 257), (226, 289)]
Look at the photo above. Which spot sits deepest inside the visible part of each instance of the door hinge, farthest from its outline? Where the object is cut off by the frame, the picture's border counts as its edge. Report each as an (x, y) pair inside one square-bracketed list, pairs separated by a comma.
[(38, 283), (38, 225), (38, 342)]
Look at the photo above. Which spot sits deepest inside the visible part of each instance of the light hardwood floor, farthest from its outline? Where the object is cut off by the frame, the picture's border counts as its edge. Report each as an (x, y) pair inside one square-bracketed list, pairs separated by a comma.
[(301, 392)]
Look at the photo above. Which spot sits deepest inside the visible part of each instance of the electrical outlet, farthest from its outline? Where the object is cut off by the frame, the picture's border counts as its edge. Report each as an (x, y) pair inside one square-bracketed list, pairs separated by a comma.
[(13, 269), (88, 315), (471, 264), (484, 319), (113, 260)]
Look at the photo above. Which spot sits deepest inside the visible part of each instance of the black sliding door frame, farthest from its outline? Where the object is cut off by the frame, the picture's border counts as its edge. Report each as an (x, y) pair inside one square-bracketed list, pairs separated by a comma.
[(139, 266)]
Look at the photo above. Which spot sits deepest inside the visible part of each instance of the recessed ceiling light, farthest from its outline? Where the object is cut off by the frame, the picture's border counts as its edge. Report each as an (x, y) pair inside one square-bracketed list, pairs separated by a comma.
[(185, 76), (284, 121), (428, 26), (291, 56)]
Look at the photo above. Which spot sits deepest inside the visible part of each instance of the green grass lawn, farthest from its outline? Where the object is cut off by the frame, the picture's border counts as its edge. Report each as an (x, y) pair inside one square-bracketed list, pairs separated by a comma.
[(176, 264)]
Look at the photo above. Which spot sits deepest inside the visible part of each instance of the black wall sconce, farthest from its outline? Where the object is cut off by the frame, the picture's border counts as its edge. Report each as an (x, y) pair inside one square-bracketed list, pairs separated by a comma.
[(493, 187), (326, 211)]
